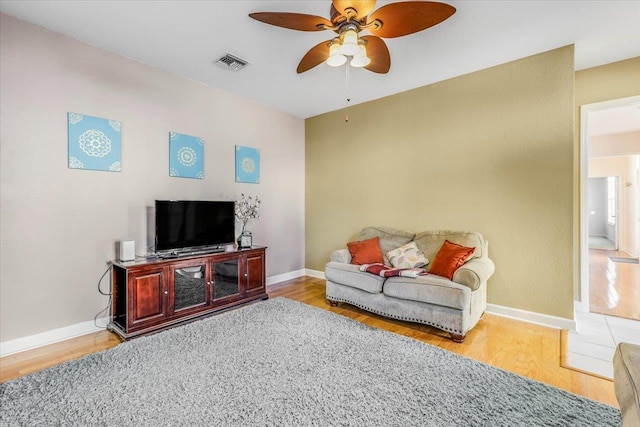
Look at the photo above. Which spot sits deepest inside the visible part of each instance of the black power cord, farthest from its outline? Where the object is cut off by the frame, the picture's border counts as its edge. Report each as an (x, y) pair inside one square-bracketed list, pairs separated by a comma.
[(107, 309)]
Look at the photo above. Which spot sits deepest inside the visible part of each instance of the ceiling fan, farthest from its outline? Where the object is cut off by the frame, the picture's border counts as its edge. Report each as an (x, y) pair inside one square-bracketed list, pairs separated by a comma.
[(348, 19)]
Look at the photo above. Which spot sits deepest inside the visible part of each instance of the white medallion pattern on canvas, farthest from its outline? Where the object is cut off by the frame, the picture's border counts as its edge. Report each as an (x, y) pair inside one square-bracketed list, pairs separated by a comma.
[(173, 172), (74, 163), (200, 141), (95, 143), (75, 118), (116, 167), (173, 136), (248, 165), (115, 125), (200, 175), (187, 156)]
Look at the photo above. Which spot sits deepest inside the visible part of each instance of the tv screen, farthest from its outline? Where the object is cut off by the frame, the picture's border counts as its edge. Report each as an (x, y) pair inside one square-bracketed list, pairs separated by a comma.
[(184, 224)]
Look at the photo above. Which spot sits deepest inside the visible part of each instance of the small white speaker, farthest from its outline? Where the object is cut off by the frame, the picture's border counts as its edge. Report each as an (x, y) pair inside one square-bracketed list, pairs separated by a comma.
[(126, 250)]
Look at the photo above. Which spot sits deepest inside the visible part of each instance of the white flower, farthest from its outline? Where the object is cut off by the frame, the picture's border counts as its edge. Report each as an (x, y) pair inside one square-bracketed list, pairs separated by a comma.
[(247, 208)]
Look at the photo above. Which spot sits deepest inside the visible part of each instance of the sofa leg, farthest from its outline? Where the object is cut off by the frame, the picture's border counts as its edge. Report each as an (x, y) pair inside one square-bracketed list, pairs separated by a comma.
[(333, 303), (457, 338)]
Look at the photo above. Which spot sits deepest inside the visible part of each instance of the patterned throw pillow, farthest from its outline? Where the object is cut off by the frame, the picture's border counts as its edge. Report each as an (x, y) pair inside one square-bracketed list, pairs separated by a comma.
[(407, 256)]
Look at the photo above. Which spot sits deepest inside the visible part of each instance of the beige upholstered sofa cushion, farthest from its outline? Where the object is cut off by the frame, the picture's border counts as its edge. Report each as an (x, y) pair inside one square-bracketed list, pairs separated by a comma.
[(430, 289), (350, 275), (390, 238), (430, 242)]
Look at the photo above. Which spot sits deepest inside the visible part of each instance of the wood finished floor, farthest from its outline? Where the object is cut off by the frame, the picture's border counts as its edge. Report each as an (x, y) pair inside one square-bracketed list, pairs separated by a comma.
[(530, 350), (614, 287)]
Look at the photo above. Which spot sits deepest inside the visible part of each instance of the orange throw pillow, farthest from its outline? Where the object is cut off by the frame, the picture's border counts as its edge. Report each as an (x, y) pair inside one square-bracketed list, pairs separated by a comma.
[(449, 258), (365, 251)]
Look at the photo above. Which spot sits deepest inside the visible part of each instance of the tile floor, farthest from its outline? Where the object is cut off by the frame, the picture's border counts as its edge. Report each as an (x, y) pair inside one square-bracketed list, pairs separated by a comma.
[(591, 347)]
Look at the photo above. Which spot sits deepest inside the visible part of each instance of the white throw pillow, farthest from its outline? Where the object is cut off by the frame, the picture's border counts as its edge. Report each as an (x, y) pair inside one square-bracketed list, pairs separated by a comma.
[(407, 256)]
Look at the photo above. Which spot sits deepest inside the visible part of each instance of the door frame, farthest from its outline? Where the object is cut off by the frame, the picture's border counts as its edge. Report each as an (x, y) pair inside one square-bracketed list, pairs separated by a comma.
[(585, 110), (616, 225)]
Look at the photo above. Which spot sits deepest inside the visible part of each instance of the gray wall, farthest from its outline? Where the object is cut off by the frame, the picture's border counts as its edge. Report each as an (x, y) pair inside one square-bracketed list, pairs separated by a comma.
[(597, 202), (58, 226)]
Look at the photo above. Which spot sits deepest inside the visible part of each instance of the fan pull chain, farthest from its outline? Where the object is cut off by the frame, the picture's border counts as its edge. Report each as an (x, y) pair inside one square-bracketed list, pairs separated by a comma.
[(346, 114)]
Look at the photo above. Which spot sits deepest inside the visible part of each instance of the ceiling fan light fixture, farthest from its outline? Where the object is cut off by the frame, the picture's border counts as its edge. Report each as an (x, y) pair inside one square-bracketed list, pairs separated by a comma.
[(348, 18), (360, 59), (349, 42), (336, 58)]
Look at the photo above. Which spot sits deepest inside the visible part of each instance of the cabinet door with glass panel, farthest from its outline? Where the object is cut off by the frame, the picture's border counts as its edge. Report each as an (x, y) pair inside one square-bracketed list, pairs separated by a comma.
[(190, 287), (225, 279)]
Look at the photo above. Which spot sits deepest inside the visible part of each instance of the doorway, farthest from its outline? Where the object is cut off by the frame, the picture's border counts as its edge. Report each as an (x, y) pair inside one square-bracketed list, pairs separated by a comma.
[(610, 208), (603, 212)]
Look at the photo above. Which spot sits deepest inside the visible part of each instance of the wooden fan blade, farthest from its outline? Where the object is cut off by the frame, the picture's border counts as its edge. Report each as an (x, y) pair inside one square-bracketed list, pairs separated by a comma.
[(316, 56), (362, 7), (292, 21), (378, 52), (400, 19)]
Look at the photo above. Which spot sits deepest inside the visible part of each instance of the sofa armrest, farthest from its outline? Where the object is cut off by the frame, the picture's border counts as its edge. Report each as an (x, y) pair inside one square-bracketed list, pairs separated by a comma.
[(341, 255), (474, 273), (626, 382)]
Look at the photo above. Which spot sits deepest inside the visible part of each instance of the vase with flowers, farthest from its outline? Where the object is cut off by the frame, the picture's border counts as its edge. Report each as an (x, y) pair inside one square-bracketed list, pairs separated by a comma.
[(246, 208)]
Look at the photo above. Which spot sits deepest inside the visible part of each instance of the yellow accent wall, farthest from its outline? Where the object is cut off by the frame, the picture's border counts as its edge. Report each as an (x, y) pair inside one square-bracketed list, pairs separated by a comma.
[(612, 81), (490, 151)]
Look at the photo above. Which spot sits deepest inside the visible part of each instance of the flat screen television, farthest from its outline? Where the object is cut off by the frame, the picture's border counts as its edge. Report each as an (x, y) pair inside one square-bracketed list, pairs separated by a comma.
[(192, 224)]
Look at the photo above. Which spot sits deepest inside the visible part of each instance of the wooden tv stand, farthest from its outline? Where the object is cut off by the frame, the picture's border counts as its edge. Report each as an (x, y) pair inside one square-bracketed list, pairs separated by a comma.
[(153, 294)]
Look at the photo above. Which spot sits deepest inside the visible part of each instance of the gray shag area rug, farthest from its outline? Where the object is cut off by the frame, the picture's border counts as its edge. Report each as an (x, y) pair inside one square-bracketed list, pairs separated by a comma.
[(284, 363)]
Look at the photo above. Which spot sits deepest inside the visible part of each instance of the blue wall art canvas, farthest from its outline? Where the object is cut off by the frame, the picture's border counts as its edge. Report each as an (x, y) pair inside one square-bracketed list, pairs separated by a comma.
[(94, 143), (247, 164), (186, 156)]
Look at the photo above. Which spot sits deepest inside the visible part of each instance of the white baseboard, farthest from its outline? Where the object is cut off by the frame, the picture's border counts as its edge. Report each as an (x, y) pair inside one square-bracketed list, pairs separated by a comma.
[(315, 273), (532, 317), (498, 310), (294, 275), (272, 280), (578, 307), (49, 337)]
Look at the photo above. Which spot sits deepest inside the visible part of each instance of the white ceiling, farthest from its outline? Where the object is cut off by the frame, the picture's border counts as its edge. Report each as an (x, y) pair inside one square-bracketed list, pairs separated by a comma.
[(615, 120), (187, 37)]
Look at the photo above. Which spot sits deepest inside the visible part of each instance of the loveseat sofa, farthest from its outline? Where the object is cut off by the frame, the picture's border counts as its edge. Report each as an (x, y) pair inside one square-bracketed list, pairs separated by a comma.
[(453, 305)]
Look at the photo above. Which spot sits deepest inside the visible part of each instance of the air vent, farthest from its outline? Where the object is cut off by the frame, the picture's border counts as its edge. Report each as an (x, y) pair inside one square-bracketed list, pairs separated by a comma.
[(231, 62)]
